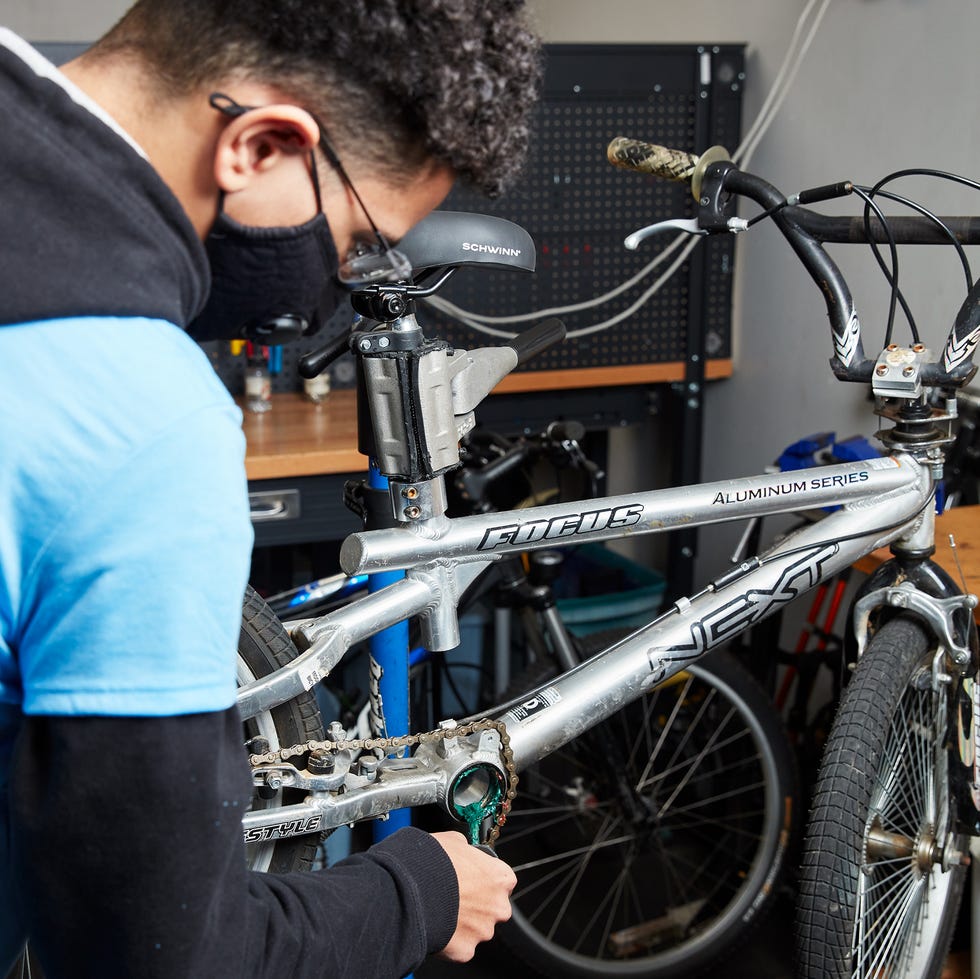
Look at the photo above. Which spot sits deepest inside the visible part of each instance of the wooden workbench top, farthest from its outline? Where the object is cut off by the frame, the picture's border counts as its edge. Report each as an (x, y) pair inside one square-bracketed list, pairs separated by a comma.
[(297, 438)]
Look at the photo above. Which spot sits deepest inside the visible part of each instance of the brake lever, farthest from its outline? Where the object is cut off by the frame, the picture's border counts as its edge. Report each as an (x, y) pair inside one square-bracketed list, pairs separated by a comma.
[(688, 225)]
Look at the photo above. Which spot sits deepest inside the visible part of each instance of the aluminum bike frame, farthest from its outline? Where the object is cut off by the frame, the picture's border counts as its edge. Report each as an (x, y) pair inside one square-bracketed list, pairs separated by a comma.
[(882, 500)]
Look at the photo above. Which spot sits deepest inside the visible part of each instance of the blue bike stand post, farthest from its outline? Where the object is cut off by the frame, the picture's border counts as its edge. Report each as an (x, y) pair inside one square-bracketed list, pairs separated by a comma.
[(390, 650)]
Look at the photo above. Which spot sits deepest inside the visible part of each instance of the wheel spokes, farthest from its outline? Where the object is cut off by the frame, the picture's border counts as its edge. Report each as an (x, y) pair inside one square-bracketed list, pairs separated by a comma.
[(640, 852), (900, 845)]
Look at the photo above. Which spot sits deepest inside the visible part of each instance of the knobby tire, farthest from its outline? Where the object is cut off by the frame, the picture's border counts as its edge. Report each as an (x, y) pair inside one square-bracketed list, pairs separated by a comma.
[(263, 647), (864, 912)]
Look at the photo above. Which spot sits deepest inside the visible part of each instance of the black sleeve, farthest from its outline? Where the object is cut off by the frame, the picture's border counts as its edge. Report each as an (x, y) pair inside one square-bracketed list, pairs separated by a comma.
[(129, 860)]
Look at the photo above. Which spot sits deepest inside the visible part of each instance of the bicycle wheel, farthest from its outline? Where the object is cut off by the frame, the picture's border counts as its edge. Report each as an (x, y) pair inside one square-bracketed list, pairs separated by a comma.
[(649, 845), (875, 899), (263, 647)]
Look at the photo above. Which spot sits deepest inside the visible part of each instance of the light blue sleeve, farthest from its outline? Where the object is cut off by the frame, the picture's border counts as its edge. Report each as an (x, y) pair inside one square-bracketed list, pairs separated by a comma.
[(136, 599), (125, 538)]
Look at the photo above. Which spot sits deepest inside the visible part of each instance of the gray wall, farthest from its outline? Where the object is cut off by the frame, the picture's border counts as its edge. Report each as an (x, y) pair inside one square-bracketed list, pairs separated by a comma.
[(886, 84), (60, 20)]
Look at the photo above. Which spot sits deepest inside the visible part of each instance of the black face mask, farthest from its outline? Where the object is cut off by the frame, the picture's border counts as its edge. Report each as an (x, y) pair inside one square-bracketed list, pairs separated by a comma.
[(269, 285)]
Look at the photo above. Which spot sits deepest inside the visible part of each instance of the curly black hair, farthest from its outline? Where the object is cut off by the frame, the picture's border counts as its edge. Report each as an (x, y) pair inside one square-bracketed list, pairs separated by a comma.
[(398, 81)]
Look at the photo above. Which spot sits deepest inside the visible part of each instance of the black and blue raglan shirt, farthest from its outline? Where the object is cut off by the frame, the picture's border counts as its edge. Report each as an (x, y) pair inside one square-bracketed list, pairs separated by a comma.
[(124, 552)]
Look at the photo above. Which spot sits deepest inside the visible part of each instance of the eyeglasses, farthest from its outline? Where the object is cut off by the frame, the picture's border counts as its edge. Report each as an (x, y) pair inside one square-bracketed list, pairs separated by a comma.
[(368, 261)]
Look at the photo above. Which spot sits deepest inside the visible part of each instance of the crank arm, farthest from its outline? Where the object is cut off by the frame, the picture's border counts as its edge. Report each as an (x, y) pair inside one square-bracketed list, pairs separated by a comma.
[(324, 811), (454, 772)]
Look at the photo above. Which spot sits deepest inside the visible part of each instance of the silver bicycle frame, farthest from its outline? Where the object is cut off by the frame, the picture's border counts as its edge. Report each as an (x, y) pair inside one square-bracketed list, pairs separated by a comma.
[(892, 496), (495, 534)]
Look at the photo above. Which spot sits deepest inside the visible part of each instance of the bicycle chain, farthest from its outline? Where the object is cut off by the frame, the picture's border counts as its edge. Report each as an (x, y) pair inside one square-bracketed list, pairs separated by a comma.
[(388, 745)]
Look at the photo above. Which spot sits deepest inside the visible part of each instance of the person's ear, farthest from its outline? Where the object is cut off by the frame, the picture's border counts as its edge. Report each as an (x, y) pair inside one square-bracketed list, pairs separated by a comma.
[(260, 139)]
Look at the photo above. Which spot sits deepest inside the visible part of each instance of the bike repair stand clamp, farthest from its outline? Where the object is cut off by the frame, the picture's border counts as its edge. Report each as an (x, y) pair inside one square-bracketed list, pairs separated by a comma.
[(415, 400)]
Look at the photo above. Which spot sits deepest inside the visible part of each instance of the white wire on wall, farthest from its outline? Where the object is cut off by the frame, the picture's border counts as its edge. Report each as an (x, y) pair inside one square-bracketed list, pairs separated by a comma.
[(806, 28), (783, 81)]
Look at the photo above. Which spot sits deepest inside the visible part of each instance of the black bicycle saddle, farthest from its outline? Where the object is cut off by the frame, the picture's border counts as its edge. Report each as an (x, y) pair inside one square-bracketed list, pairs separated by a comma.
[(457, 238)]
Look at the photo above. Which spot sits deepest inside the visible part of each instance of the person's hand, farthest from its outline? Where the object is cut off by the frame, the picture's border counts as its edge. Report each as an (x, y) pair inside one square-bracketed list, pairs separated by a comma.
[(485, 884)]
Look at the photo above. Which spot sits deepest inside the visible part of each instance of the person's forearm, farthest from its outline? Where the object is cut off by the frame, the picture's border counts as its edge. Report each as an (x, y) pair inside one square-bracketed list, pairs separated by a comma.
[(129, 860)]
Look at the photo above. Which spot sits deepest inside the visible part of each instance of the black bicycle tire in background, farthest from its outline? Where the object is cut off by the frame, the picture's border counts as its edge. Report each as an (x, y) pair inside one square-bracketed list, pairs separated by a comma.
[(263, 647), (876, 766), (696, 854)]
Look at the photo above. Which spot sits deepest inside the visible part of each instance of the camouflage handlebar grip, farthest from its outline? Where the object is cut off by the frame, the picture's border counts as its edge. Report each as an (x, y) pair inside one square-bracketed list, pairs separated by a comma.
[(632, 154)]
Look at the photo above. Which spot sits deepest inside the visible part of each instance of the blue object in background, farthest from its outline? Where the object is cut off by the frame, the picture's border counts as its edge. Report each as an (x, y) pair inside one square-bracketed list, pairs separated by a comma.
[(390, 649), (802, 454), (822, 449), (854, 449), (324, 587)]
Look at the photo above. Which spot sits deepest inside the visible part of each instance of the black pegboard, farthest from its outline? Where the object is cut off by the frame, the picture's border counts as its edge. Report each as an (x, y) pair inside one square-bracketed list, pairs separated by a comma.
[(578, 209)]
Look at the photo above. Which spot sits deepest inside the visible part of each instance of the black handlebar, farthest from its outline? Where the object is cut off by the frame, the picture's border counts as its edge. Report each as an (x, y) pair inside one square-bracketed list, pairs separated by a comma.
[(849, 362), (905, 230), (719, 181)]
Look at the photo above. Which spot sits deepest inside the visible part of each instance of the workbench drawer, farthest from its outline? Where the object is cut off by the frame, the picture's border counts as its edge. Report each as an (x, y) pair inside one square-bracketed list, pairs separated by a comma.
[(300, 510)]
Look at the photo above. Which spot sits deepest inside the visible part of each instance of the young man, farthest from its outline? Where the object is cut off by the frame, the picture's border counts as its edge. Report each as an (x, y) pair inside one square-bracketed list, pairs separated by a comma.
[(238, 151)]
